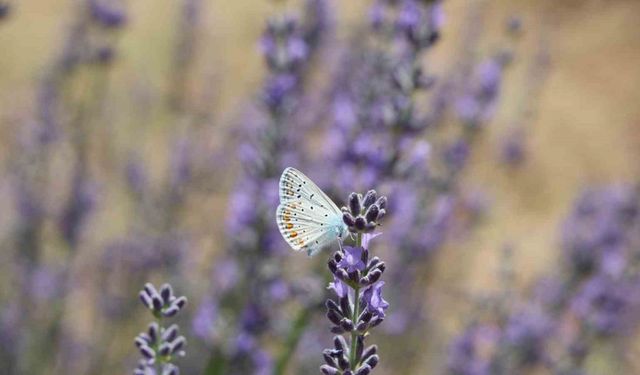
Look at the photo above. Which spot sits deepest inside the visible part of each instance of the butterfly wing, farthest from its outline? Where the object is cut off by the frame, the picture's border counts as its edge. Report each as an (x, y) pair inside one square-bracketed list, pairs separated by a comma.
[(307, 218), (306, 226), (294, 185)]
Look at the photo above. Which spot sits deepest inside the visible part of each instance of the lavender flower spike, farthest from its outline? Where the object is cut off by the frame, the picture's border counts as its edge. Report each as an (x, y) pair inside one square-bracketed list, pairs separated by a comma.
[(359, 305), (159, 344)]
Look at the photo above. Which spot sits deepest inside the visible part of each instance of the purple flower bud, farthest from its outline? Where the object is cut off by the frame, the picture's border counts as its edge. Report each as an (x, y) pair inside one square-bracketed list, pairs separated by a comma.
[(381, 266), (364, 281), (150, 289), (355, 204), (364, 370), (370, 351), (334, 317), (365, 316), (374, 276), (345, 307), (147, 352), (331, 305), (343, 363), (180, 302), (362, 326), (372, 361), (170, 370), (348, 219), (146, 300), (157, 302), (153, 332), (171, 311), (340, 343), (372, 213), (166, 293), (165, 349), (170, 333), (331, 361), (139, 342), (346, 324), (360, 223), (328, 370), (369, 198), (178, 344), (376, 320), (333, 266), (382, 202)]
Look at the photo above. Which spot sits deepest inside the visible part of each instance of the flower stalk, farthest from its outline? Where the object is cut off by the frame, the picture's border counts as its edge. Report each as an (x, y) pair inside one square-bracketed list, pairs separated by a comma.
[(356, 282)]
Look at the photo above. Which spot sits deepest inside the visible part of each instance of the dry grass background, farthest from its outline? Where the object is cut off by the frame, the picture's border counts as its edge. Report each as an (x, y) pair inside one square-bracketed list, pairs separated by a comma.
[(584, 128)]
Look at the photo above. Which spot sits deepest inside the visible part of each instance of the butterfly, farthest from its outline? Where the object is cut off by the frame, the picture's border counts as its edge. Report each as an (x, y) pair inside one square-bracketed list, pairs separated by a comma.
[(307, 218)]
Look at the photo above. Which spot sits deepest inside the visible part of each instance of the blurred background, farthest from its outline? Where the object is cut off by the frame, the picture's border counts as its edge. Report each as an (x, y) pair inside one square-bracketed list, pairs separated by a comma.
[(143, 141)]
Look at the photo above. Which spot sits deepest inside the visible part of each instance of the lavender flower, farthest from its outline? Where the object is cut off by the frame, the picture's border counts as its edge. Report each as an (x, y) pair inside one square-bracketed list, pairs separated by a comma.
[(81, 203), (159, 345), (359, 306), (5, 10), (106, 14), (607, 306), (465, 355)]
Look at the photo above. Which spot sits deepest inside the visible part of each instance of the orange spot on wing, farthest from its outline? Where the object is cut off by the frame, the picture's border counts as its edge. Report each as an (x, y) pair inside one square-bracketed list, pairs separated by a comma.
[(286, 218), (289, 226), (293, 234)]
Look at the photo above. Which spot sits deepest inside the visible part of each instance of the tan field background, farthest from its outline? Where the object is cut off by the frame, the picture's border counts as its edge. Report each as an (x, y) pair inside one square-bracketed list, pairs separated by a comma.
[(583, 126)]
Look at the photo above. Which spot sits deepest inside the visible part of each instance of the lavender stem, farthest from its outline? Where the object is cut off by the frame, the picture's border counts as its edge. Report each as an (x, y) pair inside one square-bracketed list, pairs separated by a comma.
[(356, 314)]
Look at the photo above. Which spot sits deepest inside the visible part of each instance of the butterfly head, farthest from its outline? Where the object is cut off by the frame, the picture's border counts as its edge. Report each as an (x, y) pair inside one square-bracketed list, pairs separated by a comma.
[(341, 231)]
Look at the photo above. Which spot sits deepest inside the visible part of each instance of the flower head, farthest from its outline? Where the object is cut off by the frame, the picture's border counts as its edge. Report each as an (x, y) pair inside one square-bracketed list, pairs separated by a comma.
[(352, 259), (373, 299), (339, 287)]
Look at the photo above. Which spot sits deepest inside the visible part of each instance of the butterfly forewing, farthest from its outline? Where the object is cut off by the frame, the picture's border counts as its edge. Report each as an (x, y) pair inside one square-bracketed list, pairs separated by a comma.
[(294, 185)]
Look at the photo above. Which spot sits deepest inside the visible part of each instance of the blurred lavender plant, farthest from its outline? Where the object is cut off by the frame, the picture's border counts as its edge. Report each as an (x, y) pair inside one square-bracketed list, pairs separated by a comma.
[(268, 145), (159, 345), (506, 335), (383, 134), (5, 10), (592, 300), (61, 120), (356, 282), (599, 280)]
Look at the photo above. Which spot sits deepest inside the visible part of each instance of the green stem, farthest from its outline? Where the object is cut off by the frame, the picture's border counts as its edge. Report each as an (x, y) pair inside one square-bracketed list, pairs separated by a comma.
[(354, 317), (298, 328), (159, 360)]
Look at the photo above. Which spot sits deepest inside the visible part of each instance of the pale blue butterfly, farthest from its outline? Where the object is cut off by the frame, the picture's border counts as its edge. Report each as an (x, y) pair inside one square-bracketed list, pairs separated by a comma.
[(308, 219)]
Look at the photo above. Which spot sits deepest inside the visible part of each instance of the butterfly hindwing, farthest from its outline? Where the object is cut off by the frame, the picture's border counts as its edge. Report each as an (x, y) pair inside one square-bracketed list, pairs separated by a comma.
[(300, 228)]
